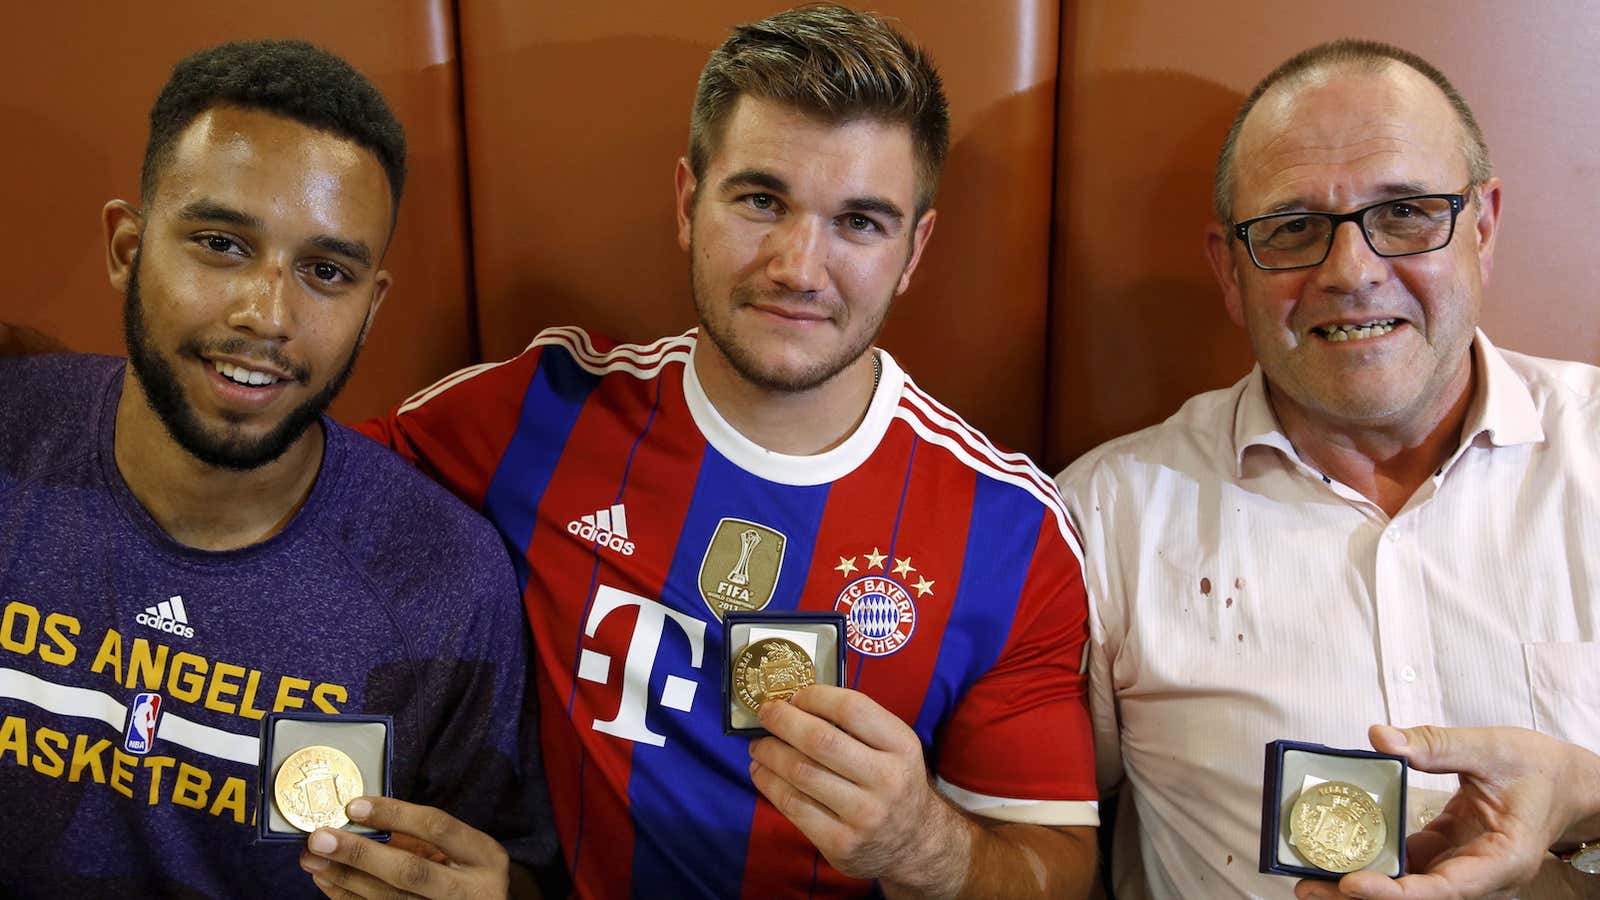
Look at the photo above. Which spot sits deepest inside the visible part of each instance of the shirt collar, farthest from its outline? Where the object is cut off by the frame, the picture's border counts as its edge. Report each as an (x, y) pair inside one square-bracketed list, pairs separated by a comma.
[(1254, 422), (1501, 408), (783, 468)]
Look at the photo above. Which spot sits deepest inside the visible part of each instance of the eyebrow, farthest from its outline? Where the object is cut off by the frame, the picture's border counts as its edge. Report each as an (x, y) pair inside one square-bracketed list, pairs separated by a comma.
[(355, 251), (878, 205), (1389, 191), (756, 178), (213, 211)]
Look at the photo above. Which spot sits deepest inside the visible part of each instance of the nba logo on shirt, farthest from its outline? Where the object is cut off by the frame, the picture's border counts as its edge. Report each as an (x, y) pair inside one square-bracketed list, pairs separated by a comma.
[(141, 733)]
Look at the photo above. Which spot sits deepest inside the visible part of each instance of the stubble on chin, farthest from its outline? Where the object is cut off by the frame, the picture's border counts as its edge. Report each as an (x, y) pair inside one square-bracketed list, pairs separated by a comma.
[(746, 358), (164, 394)]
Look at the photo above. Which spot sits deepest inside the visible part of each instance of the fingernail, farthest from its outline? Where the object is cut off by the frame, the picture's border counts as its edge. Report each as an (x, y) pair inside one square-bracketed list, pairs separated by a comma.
[(322, 842), (359, 809), (320, 883), (313, 863)]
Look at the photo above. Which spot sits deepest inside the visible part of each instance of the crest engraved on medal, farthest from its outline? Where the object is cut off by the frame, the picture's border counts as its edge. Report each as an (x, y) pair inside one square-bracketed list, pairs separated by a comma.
[(313, 785), (1337, 826), (771, 669)]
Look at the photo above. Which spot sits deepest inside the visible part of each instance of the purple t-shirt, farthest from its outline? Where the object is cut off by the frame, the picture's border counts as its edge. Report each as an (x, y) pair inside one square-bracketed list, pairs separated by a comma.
[(384, 595)]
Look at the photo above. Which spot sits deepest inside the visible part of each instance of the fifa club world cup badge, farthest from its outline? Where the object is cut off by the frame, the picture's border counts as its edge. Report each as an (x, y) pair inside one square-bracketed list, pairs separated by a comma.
[(740, 569), (143, 714), (880, 615)]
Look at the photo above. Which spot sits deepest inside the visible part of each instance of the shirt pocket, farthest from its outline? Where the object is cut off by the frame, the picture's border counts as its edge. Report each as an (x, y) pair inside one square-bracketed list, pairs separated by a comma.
[(1562, 689)]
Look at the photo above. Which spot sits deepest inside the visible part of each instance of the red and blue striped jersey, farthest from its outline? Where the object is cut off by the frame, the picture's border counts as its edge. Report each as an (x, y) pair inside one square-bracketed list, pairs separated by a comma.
[(628, 501)]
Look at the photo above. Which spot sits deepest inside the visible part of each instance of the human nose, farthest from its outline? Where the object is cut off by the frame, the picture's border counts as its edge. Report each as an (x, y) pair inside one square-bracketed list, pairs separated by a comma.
[(1351, 265), (799, 255), (264, 307)]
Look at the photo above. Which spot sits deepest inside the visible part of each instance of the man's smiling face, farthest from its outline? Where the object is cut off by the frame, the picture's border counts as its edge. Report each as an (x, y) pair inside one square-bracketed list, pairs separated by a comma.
[(255, 281), (1360, 340), (800, 234)]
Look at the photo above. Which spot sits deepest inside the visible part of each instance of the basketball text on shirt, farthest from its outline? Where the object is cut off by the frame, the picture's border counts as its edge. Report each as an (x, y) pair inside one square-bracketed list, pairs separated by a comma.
[(144, 686)]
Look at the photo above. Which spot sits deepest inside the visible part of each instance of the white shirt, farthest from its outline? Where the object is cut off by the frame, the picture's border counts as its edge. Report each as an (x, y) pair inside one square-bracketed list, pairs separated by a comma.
[(1238, 596)]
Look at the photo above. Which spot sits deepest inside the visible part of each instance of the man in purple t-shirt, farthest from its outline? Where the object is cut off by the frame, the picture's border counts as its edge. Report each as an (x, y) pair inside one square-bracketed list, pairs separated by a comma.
[(187, 543)]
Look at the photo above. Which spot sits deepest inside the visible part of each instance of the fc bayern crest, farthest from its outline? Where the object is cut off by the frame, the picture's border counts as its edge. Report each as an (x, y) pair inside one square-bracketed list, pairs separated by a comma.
[(879, 614)]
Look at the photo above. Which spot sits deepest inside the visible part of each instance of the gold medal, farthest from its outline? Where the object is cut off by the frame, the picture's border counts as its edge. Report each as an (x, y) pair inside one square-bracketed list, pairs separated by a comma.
[(313, 785), (1337, 826), (771, 669)]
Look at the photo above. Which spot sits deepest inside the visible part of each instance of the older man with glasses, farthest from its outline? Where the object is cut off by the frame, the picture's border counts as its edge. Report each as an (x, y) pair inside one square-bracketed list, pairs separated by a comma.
[(1389, 522)]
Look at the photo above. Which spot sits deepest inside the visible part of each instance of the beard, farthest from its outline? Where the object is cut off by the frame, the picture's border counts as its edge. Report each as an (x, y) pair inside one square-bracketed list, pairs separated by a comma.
[(748, 360), (220, 447)]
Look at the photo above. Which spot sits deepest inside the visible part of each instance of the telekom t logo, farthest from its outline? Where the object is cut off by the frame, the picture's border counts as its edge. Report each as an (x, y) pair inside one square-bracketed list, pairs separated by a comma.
[(642, 646)]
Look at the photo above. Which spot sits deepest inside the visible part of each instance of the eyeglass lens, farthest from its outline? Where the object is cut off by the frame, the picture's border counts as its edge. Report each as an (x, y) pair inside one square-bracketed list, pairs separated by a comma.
[(1413, 225)]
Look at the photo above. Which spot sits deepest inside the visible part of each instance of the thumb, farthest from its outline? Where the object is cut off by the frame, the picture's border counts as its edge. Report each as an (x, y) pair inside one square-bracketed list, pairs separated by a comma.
[(1429, 748)]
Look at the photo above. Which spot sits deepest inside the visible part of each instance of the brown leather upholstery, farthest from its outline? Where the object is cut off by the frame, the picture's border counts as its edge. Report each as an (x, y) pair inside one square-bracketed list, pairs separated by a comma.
[(577, 113), (1070, 215), (1149, 91), (80, 79)]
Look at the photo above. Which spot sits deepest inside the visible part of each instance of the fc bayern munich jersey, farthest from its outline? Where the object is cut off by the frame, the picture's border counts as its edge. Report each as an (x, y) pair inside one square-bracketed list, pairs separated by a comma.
[(638, 517)]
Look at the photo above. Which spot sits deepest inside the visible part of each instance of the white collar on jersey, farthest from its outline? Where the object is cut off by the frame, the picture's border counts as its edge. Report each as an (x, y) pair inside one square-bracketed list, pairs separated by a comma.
[(820, 468)]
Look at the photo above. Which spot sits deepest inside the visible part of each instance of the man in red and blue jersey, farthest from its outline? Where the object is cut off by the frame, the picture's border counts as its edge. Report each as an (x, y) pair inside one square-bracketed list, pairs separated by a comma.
[(957, 757)]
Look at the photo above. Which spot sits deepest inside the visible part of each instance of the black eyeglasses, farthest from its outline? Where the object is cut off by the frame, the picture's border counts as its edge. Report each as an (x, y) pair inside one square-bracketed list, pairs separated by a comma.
[(1404, 226)]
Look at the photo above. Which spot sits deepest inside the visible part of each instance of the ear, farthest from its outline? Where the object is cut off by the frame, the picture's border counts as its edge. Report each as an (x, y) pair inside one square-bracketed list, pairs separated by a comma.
[(123, 227), (1219, 252), (1487, 225), (919, 240), (684, 184), (381, 283)]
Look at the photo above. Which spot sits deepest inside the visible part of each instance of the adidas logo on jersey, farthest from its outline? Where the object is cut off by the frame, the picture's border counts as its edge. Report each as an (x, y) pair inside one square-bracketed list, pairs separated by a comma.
[(606, 527), (168, 616)]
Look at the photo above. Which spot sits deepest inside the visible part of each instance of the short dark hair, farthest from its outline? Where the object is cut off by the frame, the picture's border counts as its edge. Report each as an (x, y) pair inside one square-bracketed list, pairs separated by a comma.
[(833, 63), (292, 79), (1369, 56)]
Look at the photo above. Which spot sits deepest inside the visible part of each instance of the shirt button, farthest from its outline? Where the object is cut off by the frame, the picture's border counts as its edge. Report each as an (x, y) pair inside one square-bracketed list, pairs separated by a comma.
[(1408, 674)]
